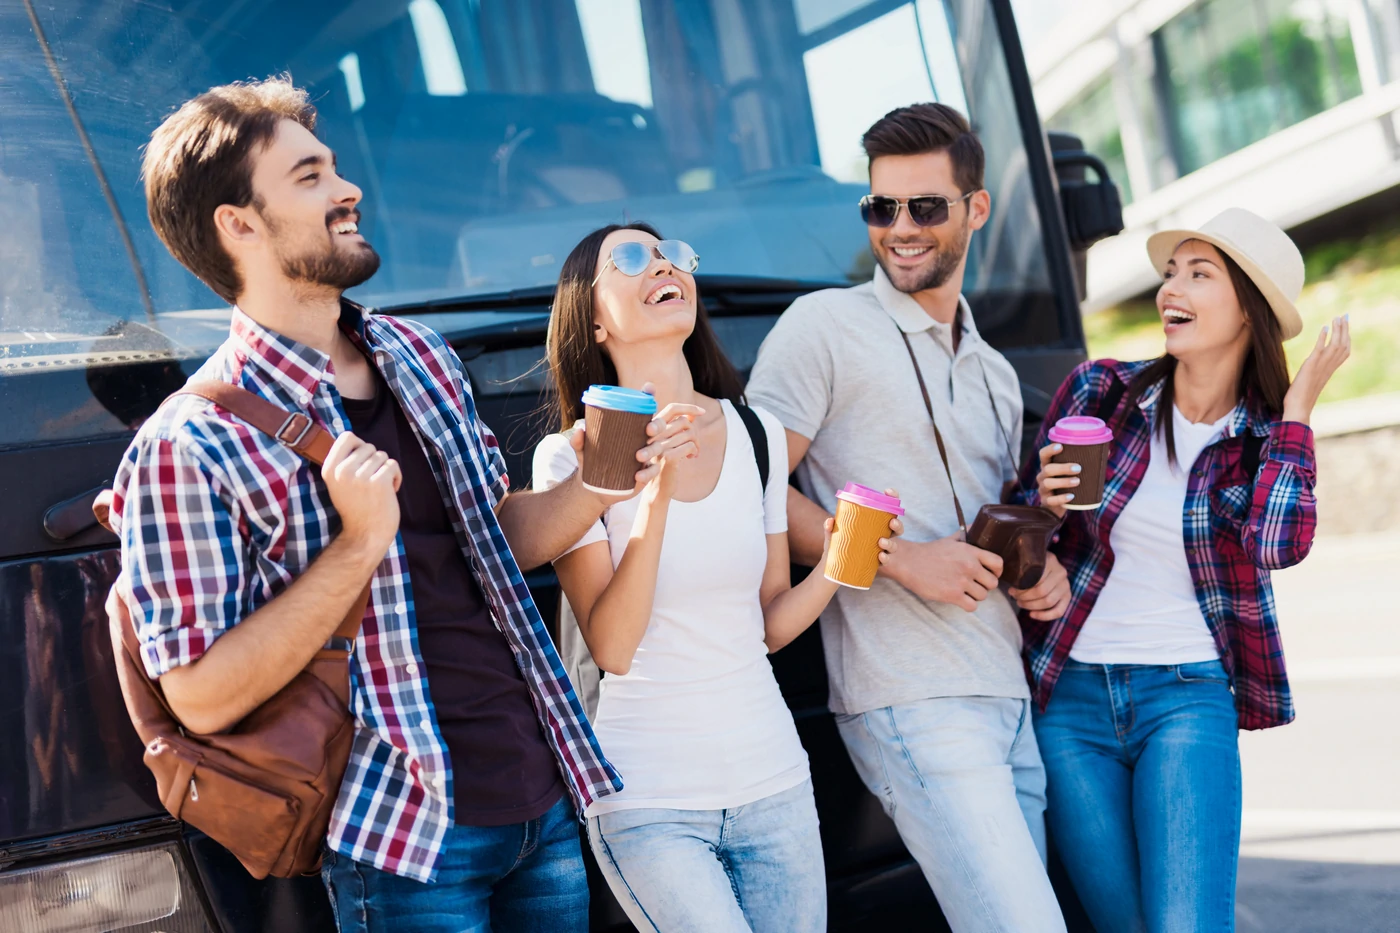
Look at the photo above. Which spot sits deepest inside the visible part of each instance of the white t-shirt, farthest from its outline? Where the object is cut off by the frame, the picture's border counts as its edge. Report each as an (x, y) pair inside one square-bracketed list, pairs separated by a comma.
[(698, 722), (1147, 612)]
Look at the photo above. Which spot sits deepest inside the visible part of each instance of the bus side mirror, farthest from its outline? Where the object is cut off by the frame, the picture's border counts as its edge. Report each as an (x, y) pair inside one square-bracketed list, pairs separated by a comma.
[(1093, 210)]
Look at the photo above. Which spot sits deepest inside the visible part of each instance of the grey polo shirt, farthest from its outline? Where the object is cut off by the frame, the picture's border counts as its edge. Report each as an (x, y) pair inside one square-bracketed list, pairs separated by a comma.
[(834, 369)]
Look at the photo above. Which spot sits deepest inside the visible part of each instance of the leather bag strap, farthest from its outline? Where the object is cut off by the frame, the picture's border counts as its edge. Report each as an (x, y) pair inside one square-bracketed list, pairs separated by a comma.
[(937, 434), (292, 428), (305, 437)]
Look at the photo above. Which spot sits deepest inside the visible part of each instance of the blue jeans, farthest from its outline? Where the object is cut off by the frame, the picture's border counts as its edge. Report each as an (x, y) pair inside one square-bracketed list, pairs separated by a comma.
[(1144, 786), (522, 878), (752, 868), (962, 780)]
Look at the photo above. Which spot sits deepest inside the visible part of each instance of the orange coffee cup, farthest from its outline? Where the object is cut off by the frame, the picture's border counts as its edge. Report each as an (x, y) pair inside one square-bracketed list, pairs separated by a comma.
[(863, 517)]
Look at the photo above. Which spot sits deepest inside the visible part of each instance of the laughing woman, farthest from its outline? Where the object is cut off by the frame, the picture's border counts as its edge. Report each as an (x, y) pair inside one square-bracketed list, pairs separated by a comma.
[(680, 592), (1170, 644)]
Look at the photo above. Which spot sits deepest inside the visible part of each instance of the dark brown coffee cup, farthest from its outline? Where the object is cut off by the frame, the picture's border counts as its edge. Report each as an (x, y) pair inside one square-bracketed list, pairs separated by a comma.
[(1087, 442)]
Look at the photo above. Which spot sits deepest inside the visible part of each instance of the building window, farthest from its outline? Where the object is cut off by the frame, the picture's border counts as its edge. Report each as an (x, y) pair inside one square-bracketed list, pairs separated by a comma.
[(1093, 117), (1235, 71)]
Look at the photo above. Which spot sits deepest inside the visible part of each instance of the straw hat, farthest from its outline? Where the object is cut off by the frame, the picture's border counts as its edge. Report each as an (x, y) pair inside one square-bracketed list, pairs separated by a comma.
[(1263, 251)]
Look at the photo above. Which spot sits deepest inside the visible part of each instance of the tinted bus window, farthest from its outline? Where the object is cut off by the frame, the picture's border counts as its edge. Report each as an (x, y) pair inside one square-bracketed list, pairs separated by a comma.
[(487, 137)]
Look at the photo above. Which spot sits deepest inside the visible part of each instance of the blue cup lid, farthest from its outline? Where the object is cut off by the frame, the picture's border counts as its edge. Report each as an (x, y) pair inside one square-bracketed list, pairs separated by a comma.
[(616, 398)]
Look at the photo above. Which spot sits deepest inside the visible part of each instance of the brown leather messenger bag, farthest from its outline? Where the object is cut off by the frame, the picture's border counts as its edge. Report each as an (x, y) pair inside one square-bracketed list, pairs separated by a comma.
[(265, 788)]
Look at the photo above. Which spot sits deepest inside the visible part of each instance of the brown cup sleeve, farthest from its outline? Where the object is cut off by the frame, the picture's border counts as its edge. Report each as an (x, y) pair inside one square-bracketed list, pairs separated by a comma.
[(611, 440)]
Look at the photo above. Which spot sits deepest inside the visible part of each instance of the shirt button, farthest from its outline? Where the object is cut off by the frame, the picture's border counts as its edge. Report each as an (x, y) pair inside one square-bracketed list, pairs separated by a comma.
[(1190, 512), (400, 608), (304, 399), (411, 667), (426, 725)]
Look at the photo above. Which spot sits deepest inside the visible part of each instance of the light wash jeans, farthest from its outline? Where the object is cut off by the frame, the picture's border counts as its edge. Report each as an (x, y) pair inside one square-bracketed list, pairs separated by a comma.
[(961, 778), (752, 868), (522, 878), (1144, 767)]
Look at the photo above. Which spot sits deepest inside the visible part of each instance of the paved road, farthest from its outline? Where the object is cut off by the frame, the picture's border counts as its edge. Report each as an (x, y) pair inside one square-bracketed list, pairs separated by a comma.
[(1321, 843)]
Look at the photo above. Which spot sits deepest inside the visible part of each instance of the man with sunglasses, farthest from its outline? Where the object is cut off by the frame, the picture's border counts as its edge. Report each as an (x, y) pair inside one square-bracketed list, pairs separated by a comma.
[(927, 683)]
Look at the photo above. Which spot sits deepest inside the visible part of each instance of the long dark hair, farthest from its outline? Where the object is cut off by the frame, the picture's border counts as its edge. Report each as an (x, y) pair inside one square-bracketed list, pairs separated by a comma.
[(576, 361), (1263, 380)]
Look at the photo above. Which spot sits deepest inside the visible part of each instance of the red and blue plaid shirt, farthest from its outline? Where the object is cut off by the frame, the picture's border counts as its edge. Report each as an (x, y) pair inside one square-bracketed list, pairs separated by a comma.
[(1237, 528), (216, 519)]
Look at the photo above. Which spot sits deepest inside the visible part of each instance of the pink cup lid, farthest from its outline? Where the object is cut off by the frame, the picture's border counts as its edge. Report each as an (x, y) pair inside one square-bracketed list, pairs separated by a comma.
[(1081, 431), (870, 498)]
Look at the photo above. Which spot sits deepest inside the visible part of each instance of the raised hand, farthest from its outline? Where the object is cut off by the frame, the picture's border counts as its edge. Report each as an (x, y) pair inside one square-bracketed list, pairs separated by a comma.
[(1322, 362), (363, 483), (669, 430)]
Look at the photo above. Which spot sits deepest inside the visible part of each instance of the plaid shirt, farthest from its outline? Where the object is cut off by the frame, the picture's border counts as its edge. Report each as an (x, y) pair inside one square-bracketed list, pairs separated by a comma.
[(1237, 528), (216, 519)]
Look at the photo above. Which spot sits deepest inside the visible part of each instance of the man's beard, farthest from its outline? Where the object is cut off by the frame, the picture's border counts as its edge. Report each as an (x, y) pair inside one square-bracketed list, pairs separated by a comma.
[(328, 267), (332, 268), (945, 263)]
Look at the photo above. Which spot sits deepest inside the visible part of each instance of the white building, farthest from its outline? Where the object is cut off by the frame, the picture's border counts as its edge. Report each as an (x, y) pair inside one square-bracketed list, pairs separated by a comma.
[(1285, 107)]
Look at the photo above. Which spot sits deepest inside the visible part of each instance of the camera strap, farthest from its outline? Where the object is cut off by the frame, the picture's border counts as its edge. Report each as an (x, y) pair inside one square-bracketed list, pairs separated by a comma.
[(938, 435)]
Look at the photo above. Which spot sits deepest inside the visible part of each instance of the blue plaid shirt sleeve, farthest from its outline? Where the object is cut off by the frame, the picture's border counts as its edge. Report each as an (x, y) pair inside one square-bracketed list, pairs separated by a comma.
[(181, 553), (1283, 513)]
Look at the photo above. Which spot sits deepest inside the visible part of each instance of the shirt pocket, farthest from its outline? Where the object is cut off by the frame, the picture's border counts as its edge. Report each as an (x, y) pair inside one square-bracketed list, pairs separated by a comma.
[(1231, 503)]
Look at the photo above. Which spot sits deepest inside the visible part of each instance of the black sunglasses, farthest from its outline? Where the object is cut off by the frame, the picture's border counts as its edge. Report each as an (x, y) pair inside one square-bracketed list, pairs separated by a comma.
[(927, 210)]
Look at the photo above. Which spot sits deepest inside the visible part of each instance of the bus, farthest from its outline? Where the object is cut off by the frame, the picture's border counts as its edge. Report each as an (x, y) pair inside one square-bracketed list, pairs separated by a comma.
[(488, 137)]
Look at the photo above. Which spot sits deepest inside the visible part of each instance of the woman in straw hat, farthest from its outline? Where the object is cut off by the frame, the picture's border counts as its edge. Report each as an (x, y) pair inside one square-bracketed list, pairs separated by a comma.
[(1170, 644)]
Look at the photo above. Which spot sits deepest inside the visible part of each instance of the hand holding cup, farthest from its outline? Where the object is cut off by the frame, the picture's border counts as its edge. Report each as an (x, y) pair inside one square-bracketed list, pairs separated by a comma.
[(1056, 481), (861, 535), (621, 428)]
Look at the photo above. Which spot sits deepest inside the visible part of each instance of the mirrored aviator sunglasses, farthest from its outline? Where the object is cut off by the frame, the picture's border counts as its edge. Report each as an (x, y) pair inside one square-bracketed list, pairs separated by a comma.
[(633, 258), (929, 210)]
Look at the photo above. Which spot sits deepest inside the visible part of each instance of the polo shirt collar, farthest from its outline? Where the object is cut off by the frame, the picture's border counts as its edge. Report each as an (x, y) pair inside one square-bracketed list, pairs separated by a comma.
[(293, 366), (910, 315)]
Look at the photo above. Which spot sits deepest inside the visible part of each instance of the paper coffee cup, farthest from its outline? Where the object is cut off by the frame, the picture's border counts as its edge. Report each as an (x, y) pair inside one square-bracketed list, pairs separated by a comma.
[(862, 518), (615, 428), (1086, 441)]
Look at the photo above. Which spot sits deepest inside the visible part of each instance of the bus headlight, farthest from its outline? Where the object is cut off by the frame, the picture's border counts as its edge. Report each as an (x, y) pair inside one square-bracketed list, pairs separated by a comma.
[(105, 892)]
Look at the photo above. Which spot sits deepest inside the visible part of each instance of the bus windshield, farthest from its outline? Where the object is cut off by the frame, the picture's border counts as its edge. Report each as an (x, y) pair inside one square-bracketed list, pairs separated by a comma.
[(488, 136)]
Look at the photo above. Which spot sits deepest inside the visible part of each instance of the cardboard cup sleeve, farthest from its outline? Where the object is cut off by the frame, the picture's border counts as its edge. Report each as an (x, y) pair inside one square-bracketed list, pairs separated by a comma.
[(611, 440), (1093, 458), (854, 556)]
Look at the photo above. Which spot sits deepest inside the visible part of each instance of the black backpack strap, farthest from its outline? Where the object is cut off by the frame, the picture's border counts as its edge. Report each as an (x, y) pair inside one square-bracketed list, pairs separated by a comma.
[(1251, 454), (759, 438), (1108, 405)]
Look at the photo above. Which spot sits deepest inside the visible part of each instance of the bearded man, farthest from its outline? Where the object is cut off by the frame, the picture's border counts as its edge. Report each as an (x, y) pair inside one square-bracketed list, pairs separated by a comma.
[(927, 683), (471, 754)]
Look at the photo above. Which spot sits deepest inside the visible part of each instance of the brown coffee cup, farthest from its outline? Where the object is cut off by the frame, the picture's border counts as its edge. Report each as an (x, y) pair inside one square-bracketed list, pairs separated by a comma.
[(863, 517), (1088, 442), (615, 428)]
